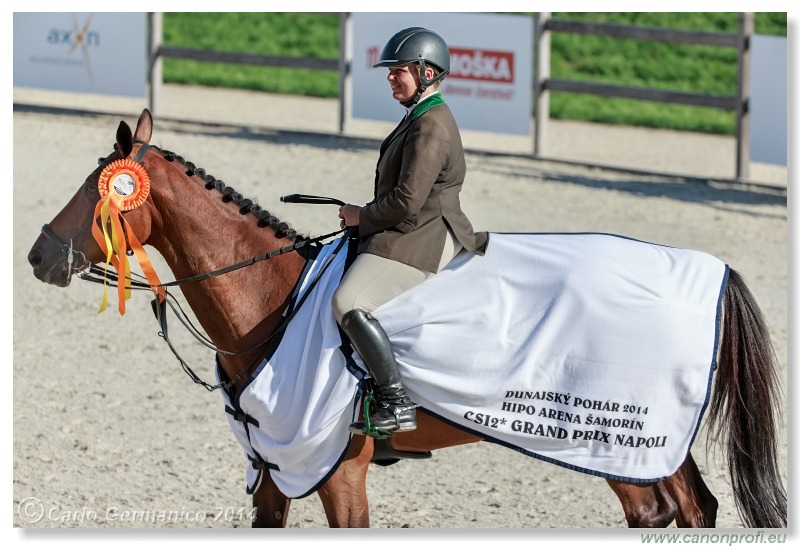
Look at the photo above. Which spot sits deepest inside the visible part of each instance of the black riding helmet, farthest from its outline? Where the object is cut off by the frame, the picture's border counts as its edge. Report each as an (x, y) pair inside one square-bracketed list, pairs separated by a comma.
[(417, 44)]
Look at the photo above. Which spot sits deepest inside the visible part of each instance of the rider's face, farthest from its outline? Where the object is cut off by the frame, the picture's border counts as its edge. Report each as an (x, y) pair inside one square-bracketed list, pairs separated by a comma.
[(404, 81)]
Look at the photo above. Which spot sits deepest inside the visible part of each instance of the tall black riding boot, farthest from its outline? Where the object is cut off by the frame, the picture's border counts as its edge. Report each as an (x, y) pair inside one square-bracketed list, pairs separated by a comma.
[(395, 411)]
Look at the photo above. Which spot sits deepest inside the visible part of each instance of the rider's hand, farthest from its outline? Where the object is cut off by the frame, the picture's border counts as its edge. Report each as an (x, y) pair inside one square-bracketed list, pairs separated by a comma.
[(349, 214)]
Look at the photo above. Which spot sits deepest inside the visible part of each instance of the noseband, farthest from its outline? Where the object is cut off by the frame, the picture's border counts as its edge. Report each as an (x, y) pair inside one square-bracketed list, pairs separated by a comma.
[(68, 249)]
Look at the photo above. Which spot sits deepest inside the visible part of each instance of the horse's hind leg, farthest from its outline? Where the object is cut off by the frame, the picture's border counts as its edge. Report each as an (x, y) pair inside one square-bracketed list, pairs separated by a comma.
[(645, 504), (270, 505), (697, 507), (344, 495)]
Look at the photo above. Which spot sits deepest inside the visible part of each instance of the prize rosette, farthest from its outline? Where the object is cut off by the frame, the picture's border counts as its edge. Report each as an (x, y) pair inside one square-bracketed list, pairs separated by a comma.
[(129, 181), (123, 185)]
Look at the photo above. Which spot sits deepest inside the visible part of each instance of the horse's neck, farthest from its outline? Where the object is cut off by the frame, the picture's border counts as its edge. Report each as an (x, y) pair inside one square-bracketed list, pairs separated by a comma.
[(237, 310)]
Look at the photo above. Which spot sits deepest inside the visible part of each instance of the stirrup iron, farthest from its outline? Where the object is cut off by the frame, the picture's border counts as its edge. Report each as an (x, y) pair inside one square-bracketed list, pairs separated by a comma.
[(392, 421), (366, 427)]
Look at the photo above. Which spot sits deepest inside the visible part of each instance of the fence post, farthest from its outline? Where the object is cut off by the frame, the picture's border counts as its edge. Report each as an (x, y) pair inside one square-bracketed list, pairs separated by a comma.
[(746, 30), (156, 62), (344, 68), (541, 73)]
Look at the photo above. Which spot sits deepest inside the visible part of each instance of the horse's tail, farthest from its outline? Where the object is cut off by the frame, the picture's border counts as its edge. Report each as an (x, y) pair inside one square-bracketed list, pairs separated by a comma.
[(744, 407)]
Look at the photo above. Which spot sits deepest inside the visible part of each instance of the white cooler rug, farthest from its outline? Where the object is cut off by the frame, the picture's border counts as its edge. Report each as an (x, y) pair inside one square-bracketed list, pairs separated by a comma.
[(594, 352)]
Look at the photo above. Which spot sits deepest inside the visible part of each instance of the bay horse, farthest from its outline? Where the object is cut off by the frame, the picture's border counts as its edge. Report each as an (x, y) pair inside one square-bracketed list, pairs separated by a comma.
[(194, 220)]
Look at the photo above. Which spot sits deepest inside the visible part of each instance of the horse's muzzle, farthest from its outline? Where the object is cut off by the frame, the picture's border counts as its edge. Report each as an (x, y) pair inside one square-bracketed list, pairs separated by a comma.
[(50, 265)]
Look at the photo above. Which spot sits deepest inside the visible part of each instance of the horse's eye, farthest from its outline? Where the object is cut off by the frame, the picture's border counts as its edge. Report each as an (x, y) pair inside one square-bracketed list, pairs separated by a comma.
[(90, 189)]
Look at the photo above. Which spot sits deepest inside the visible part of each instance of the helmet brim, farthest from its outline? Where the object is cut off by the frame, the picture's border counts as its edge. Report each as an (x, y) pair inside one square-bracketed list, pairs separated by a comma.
[(391, 63)]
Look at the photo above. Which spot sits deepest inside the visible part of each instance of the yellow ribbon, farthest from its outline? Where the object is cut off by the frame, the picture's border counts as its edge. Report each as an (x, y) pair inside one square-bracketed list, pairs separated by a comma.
[(111, 237)]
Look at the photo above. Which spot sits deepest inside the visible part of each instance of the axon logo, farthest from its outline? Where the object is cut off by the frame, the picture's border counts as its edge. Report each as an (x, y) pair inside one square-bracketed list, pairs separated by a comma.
[(79, 36), (471, 64)]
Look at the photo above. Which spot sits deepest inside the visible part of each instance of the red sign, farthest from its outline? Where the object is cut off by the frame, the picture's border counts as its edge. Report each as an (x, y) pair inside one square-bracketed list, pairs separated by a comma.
[(486, 65), (471, 64)]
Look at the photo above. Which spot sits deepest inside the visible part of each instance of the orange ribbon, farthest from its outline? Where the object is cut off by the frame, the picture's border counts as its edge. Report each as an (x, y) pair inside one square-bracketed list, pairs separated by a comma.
[(123, 185)]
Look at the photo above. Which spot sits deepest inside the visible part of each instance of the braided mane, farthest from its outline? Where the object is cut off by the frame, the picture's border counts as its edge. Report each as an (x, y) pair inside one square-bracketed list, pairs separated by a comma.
[(229, 194)]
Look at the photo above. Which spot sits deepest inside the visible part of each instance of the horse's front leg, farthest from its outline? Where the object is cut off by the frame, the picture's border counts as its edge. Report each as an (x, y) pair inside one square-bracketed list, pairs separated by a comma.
[(645, 504), (344, 495), (271, 506)]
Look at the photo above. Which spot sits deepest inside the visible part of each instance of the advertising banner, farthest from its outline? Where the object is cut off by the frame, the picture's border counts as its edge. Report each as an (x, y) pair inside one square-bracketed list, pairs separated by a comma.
[(769, 117), (489, 87), (100, 53)]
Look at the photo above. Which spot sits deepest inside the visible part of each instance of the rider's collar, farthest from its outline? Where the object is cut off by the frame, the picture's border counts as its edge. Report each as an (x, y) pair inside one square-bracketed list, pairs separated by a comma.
[(411, 105)]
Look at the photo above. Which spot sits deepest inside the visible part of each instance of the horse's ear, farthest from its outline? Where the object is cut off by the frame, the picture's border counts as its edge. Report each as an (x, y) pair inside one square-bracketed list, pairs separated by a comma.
[(144, 128), (124, 139)]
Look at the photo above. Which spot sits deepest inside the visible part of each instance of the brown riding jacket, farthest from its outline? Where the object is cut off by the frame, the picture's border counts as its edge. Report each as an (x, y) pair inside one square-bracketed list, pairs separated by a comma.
[(418, 178)]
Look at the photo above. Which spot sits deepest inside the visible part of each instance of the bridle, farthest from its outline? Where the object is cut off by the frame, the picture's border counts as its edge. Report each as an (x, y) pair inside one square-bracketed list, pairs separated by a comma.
[(69, 250), (68, 247)]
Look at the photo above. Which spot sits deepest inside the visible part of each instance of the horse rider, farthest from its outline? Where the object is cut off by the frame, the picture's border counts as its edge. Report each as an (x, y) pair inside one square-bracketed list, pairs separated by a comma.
[(414, 224)]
